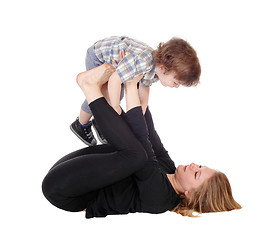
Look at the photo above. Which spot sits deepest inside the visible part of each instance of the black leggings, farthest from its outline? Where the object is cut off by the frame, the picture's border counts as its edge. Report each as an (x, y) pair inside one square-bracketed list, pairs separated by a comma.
[(74, 179)]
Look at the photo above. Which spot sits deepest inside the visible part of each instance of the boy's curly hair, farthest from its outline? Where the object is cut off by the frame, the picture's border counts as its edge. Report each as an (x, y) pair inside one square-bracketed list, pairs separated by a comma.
[(177, 56)]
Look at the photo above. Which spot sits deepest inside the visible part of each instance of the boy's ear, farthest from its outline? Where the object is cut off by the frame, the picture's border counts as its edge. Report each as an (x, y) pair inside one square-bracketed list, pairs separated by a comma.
[(162, 68)]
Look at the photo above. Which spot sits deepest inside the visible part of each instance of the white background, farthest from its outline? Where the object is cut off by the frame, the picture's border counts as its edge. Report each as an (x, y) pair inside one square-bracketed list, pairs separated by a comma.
[(222, 123)]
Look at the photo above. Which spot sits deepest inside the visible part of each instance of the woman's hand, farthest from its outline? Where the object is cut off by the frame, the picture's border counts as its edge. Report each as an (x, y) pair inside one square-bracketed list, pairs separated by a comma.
[(132, 95), (122, 54), (134, 81)]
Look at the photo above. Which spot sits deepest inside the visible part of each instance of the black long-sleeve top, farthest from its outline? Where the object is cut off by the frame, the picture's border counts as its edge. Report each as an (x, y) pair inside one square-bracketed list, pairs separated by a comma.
[(148, 190)]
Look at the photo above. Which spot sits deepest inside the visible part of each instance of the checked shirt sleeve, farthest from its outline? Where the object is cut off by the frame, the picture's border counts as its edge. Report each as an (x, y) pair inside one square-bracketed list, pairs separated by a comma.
[(149, 78)]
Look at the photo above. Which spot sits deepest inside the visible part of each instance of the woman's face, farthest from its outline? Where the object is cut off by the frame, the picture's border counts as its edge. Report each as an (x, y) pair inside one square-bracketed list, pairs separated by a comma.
[(192, 176)]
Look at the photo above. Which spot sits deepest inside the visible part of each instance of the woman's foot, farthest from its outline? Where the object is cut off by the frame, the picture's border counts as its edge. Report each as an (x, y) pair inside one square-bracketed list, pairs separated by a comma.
[(96, 76), (91, 81)]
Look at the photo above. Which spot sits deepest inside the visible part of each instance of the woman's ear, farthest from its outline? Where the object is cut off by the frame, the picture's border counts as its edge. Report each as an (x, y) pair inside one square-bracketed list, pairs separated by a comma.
[(187, 194)]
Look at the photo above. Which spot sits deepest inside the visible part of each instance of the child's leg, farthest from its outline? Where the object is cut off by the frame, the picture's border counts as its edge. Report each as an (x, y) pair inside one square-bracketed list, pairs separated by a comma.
[(85, 113), (84, 117), (91, 62), (81, 127)]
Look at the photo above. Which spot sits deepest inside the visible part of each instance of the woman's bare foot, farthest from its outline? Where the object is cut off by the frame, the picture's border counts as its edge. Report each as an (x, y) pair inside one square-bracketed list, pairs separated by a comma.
[(96, 76), (92, 81)]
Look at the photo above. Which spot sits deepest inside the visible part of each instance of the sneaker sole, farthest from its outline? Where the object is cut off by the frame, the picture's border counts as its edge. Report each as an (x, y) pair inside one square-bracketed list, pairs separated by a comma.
[(85, 142), (99, 137)]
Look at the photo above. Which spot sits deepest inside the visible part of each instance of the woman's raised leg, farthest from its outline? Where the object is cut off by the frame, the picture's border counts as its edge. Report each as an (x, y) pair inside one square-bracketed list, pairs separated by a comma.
[(69, 184)]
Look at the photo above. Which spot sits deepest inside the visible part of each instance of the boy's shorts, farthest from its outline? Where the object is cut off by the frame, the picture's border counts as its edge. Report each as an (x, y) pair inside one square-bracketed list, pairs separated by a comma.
[(91, 62)]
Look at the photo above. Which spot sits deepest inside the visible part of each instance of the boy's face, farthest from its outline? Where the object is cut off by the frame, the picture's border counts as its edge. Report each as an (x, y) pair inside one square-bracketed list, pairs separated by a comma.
[(167, 80)]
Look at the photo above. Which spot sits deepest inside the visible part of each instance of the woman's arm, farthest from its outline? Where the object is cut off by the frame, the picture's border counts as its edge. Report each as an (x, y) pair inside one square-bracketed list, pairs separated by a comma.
[(136, 121), (114, 86), (114, 89), (161, 153), (144, 96), (135, 117), (143, 91), (132, 96)]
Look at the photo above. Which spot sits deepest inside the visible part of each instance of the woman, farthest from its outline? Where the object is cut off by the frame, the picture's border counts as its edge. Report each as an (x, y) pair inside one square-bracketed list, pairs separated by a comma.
[(131, 174)]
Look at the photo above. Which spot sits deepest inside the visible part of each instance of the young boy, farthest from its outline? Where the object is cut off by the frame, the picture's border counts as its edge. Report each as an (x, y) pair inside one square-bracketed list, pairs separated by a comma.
[(174, 63)]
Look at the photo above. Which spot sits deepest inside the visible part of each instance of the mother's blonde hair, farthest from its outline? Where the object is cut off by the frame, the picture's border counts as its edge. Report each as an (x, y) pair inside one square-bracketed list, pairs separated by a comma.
[(215, 195)]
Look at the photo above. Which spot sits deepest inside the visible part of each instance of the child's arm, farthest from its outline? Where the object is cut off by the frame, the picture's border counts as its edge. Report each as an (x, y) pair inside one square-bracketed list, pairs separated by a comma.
[(144, 96), (114, 89)]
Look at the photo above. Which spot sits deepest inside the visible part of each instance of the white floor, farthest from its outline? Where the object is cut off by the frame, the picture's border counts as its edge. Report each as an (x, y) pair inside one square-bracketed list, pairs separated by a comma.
[(222, 123)]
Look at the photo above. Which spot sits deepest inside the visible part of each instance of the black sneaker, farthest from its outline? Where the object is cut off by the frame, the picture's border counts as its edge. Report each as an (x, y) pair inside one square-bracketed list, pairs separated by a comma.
[(98, 132), (83, 132)]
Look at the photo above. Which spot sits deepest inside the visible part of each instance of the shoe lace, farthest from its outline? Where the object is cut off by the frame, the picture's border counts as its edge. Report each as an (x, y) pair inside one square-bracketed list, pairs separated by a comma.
[(88, 134)]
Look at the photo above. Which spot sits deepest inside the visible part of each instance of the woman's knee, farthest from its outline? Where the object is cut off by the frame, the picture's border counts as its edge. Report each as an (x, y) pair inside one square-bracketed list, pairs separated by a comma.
[(48, 188), (54, 195), (143, 156), (138, 154), (52, 187)]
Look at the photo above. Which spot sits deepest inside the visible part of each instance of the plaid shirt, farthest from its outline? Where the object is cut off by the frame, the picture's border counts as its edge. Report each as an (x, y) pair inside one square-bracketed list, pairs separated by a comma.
[(138, 59)]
